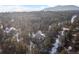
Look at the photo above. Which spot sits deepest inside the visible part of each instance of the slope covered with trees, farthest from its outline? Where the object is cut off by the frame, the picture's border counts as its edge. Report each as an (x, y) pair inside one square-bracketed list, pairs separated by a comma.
[(39, 32)]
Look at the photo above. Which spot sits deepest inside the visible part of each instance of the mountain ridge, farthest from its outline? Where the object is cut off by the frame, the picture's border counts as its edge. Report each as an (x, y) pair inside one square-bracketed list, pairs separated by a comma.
[(62, 8)]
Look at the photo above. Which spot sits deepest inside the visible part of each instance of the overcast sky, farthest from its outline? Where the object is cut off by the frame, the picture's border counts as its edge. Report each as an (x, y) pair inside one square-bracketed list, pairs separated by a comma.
[(39, 2), (16, 5)]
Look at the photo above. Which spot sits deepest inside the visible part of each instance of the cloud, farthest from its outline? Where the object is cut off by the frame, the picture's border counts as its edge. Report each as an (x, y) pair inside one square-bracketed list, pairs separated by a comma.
[(21, 8)]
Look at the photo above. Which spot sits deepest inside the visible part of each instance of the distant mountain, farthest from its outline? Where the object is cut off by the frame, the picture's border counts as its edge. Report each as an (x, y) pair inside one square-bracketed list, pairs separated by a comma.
[(62, 8)]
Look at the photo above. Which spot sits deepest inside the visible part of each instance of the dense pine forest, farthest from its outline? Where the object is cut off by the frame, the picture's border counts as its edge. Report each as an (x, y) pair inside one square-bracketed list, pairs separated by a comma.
[(39, 32)]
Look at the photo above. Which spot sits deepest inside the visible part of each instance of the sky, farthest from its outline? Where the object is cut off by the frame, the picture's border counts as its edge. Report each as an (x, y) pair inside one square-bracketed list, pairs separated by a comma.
[(32, 5)]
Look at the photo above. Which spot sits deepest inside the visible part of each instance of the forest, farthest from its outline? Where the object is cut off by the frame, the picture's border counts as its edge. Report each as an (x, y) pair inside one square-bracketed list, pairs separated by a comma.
[(39, 32)]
